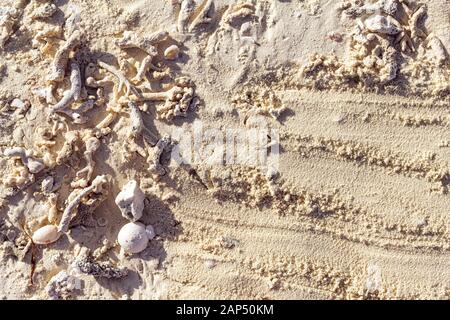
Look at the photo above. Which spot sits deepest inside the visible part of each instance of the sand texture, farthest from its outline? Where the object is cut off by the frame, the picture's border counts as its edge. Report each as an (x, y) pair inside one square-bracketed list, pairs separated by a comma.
[(94, 95)]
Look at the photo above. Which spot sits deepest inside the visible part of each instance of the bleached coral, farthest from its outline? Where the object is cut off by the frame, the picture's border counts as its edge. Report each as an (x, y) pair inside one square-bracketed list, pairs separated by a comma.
[(383, 24), (147, 44), (439, 53), (18, 177), (71, 95), (138, 128), (131, 201), (46, 37), (177, 99), (123, 81), (238, 11), (8, 18), (203, 17), (76, 197), (414, 23), (33, 164), (154, 157), (186, 9), (58, 66), (84, 175), (43, 11), (62, 286), (68, 148), (359, 8)]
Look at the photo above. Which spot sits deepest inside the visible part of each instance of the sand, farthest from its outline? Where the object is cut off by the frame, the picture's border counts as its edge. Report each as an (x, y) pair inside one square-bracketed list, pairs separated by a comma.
[(352, 98)]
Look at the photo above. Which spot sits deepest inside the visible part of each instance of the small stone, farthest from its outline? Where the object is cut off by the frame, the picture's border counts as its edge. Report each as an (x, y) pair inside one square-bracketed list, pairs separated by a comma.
[(172, 52)]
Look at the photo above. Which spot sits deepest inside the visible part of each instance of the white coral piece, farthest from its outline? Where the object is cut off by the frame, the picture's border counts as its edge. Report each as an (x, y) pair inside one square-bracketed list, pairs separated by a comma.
[(34, 165), (76, 197), (131, 201), (58, 67)]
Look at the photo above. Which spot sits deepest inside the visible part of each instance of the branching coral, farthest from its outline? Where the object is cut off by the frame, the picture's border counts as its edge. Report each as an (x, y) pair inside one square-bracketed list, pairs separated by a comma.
[(76, 198), (177, 99), (71, 95), (203, 16), (45, 38), (414, 23), (238, 11), (58, 67), (190, 20), (68, 147), (154, 157), (138, 127), (8, 18), (186, 9), (84, 175), (123, 81), (146, 44), (77, 115)]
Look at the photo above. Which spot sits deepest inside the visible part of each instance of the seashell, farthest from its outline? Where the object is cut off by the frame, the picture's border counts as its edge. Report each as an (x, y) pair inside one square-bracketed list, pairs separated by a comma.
[(150, 232), (46, 235), (35, 166), (47, 184), (131, 201), (133, 237), (172, 52), (382, 24)]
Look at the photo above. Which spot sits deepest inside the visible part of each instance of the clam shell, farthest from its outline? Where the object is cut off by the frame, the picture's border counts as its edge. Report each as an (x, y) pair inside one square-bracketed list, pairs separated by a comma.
[(46, 235)]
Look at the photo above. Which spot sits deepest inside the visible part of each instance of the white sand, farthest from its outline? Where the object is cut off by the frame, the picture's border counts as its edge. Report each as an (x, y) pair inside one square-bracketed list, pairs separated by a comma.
[(359, 210)]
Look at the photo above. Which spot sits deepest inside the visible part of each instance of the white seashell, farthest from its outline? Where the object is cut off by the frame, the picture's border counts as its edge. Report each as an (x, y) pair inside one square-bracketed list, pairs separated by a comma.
[(172, 52), (46, 235), (150, 232), (47, 184), (35, 166), (133, 237), (131, 201), (382, 24)]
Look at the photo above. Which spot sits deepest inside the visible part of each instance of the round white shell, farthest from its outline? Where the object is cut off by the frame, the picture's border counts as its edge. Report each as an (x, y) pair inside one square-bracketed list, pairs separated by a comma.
[(133, 237), (45, 235)]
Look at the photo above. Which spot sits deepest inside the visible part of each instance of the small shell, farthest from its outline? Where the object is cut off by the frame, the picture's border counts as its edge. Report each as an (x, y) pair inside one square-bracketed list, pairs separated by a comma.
[(133, 237), (150, 232), (172, 52), (46, 235)]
